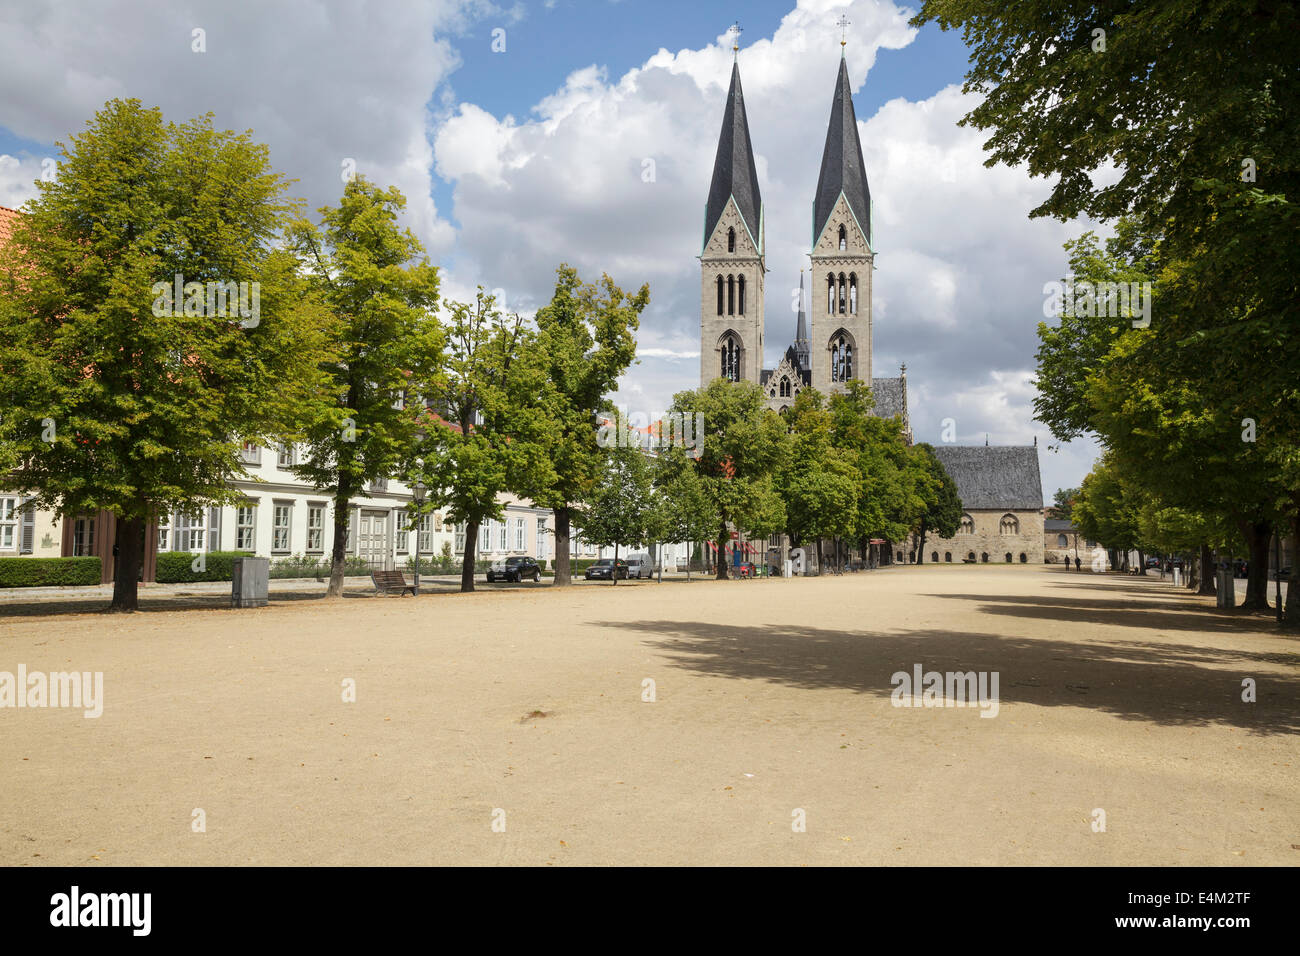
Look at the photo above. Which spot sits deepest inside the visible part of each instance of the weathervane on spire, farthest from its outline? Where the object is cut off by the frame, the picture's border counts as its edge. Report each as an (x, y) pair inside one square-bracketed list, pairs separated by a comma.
[(843, 23), (735, 32)]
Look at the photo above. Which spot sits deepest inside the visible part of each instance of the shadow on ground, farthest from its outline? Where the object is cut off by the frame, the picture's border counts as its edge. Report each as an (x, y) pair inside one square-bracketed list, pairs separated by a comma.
[(1162, 683)]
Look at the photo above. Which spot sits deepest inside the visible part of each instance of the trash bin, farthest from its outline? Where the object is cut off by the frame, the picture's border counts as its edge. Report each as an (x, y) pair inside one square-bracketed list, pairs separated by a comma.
[(250, 583), (1225, 591)]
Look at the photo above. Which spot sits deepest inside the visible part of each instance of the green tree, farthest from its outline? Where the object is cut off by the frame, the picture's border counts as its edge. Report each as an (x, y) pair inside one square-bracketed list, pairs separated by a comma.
[(587, 333), (742, 444), (1062, 503), (682, 509), (486, 430), (818, 482), (382, 291), (116, 395), (618, 508), (943, 511)]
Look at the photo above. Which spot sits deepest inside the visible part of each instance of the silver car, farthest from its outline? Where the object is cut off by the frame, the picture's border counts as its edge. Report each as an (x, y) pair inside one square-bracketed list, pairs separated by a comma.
[(640, 566)]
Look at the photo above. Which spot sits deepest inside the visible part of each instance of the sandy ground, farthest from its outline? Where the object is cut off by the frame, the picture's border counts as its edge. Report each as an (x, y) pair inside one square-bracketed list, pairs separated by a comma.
[(771, 697)]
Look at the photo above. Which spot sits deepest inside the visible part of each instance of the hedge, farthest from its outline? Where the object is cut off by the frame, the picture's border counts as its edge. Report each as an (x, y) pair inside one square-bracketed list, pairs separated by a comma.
[(306, 566), (47, 572), (177, 567)]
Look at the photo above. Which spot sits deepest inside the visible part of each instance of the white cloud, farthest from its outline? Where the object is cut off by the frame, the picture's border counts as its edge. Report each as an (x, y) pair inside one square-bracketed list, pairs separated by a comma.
[(17, 177)]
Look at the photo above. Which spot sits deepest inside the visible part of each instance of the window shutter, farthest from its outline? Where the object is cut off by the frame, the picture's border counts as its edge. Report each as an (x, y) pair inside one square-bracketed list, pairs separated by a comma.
[(27, 544)]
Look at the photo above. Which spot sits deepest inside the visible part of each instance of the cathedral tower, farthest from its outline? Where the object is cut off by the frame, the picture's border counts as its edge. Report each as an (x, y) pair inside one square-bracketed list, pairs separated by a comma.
[(840, 313), (731, 263)]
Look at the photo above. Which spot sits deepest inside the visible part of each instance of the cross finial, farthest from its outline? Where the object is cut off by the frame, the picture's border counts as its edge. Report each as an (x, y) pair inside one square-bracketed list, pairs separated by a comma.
[(735, 32), (843, 23)]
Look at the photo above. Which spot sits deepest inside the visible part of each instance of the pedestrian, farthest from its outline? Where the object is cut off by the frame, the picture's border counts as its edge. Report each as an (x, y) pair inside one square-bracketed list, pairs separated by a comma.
[(1078, 565)]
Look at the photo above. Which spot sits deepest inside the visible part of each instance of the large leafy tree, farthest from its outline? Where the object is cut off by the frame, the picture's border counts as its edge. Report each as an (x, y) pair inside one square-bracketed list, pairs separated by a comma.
[(116, 395), (682, 508), (382, 291), (742, 445), (819, 483), (486, 429), (586, 333)]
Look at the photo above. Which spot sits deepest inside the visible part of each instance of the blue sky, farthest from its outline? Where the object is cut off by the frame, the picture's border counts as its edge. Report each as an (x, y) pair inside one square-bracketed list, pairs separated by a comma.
[(515, 161)]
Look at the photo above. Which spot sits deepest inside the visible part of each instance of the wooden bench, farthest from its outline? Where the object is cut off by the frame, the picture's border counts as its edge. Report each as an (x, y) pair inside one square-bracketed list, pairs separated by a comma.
[(386, 581)]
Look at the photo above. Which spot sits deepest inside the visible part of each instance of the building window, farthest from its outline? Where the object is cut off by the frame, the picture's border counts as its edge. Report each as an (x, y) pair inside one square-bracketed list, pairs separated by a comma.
[(785, 387), (190, 531), (245, 526), (83, 536), (947, 556), (719, 295), (934, 557), (731, 295), (841, 359), (731, 240), (519, 534), (280, 526), (485, 536), (853, 293), (164, 532), (844, 238), (379, 486), (1009, 525), (731, 359), (740, 295), (250, 453), (284, 456), (503, 535), (426, 535), (1062, 541), (1024, 558), (8, 523), (970, 556), (460, 537), (1008, 557), (984, 557), (967, 527), (541, 538), (830, 293), (315, 527), (844, 294), (401, 521)]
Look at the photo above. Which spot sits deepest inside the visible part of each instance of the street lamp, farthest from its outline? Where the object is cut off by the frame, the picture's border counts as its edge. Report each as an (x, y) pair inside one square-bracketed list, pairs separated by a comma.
[(417, 494)]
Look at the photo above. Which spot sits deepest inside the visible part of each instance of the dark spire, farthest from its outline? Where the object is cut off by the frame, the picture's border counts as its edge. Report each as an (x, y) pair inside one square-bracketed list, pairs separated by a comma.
[(734, 172), (843, 170), (801, 349)]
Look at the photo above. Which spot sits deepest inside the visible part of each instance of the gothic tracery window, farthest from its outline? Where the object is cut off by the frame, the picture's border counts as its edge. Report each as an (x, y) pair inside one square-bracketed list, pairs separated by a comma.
[(731, 359), (830, 293), (841, 359), (719, 295), (731, 295), (731, 240), (785, 387), (967, 527), (1009, 525), (853, 293), (740, 295), (844, 295), (844, 239)]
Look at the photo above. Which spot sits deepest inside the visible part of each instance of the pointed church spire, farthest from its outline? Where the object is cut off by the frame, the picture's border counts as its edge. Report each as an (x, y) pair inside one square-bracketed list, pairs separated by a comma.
[(843, 170), (801, 349), (734, 173)]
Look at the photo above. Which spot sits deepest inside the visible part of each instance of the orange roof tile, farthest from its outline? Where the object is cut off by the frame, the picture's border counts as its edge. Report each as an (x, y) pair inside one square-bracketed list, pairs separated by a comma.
[(7, 218)]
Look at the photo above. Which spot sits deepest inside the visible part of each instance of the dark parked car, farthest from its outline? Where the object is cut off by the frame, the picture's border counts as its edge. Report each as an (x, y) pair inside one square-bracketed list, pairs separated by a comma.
[(514, 569), (606, 568)]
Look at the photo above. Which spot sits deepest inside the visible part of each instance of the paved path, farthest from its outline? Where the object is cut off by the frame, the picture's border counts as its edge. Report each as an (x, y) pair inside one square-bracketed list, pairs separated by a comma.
[(772, 703)]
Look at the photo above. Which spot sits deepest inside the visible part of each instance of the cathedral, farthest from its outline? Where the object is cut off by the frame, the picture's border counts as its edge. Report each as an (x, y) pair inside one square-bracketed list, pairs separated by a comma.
[(1000, 486), (832, 336)]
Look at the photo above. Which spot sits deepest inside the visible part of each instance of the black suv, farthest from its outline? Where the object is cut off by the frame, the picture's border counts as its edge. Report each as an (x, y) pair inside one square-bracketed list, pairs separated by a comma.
[(606, 568), (514, 569)]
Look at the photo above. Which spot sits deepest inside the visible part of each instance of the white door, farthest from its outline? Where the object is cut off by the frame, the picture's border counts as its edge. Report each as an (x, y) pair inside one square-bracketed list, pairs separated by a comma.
[(372, 539)]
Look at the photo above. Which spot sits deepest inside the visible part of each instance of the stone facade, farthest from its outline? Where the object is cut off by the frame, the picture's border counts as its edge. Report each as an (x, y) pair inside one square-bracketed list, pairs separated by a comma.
[(992, 533), (842, 312), (731, 297)]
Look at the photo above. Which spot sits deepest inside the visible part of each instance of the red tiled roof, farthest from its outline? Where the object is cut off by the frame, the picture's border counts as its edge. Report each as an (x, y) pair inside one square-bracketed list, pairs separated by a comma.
[(7, 218)]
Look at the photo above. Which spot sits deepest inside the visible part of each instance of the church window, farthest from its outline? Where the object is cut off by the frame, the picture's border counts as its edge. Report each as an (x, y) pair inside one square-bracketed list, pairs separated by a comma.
[(841, 359), (719, 295), (1062, 541), (785, 387), (1008, 557), (967, 527), (731, 240), (731, 359), (947, 556), (731, 295), (1009, 525), (844, 239), (934, 557), (1024, 558), (844, 298), (853, 293), (984, 557), (830, 293), (970, 556), (740, 295)]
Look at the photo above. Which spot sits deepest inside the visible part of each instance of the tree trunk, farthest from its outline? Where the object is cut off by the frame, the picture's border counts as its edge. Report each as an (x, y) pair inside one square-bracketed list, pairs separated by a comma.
[(1142, 562), (1257, 534), (920, 544), (563, 564), (339, 555), (820, 562), (1292, 618), (1206, 562), (721, 573), (613, 575), (467, 563), (129, 538)]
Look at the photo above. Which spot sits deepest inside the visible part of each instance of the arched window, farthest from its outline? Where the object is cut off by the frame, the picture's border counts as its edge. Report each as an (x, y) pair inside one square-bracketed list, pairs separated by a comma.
[(947, 556), (970, 556), (719, 295), (984, 557), (967, 527), (934, 557), (830, 293), (1009, 525), (1062, 541), (1008, 557), (731, 295), (731, 358), (1024, 558), (853, 293), (785, 387), (844, 238), (740, 295), (835, 361), (844, 294), (731, 240), (841, 358)]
